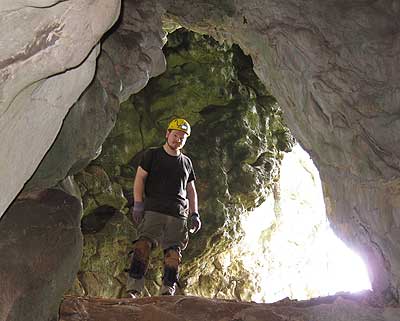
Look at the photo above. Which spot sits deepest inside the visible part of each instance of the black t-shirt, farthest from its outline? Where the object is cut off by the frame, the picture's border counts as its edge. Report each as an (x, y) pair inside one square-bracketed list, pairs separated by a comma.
[(168, 176)]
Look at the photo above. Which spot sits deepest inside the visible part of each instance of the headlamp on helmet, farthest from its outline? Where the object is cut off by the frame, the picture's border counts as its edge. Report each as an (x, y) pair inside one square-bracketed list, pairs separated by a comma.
[(179, 124)]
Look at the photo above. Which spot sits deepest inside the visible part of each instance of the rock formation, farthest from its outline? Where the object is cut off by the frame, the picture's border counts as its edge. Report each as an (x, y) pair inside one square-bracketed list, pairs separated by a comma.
[(340, 307), (48, 57), (41, 248), (130, 55), (237, 129), (333, 67)]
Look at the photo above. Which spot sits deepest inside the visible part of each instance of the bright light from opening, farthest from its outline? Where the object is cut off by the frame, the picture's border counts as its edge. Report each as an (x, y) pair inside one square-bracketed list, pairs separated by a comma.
[(301, 256)]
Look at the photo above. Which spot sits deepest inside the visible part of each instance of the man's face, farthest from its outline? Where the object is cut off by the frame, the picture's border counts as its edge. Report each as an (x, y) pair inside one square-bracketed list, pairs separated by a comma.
[(176, 139)]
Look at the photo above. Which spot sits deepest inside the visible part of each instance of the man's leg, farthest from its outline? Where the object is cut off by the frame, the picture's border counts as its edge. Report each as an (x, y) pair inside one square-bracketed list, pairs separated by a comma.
[(175, 240), (149, 230), (172, 259), (140, 262)]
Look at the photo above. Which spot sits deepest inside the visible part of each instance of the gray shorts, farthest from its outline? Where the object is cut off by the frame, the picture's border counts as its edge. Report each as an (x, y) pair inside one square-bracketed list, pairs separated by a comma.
[(164, 230)]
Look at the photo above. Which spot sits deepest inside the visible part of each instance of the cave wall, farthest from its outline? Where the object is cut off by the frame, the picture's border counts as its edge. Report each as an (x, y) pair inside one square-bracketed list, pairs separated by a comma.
[(48, 57), (130, 54), (213, 86), (333, 67), (41, 249)]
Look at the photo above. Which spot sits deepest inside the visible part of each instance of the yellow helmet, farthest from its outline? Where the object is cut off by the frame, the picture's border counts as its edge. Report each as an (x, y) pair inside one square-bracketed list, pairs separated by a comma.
[(179, 124)]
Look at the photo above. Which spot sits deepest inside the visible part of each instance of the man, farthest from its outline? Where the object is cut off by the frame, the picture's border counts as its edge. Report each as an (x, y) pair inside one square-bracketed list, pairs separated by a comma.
[(163, 185)]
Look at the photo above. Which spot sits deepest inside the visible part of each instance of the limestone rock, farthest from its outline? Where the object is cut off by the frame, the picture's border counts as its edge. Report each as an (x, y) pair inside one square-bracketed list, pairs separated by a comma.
[(107, 236), (41, 248), (212, 85), (129, 57), (333, 67), (135, 48), (79, 140), (97, 190), (341, 307), (47, 58)]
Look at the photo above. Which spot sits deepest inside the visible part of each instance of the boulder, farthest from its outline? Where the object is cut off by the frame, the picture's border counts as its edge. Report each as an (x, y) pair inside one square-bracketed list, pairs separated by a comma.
[(41, 247)]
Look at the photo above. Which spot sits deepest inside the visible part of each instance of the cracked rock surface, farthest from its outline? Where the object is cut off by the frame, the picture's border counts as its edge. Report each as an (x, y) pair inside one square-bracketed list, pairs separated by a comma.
[(212, 85), (41, 248), (341, 307), (48, 53), (334, 69)]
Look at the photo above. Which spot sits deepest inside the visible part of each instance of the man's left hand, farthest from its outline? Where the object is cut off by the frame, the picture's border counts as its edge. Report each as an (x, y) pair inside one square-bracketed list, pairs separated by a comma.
[(137, 212), (194, 223)]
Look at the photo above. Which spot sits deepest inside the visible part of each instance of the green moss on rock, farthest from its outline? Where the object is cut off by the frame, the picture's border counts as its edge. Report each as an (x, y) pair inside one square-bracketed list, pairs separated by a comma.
[(236, 145), (107, 236), (98, 190)]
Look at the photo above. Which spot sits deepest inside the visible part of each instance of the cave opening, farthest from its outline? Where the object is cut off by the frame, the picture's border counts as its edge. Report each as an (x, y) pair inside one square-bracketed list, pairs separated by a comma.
[(289, 242), (288, 248), (239, 144)]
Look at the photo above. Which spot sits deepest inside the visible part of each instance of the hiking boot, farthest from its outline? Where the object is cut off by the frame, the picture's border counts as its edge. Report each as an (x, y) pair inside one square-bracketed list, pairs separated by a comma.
[(134, 287), (134, 294), (167, 290)]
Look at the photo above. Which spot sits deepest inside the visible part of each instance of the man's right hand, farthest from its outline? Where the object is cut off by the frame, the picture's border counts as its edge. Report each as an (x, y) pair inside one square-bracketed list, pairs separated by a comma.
[(137, 212), (194, 223)]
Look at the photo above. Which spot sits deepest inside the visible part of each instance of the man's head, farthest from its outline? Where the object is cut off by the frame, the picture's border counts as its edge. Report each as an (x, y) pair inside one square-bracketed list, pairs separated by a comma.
[(177, 133)]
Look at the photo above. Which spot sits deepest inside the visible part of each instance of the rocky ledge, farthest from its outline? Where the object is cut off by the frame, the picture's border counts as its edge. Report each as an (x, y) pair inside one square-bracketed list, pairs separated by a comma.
[(362, 306)]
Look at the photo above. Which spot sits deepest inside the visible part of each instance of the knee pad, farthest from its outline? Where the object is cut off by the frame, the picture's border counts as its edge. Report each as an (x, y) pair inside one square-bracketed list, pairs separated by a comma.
[(172, 258), (140, 258)]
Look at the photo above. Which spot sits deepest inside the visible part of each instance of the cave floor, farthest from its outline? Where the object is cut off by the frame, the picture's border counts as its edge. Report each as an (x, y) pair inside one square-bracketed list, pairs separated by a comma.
[(362, 306)]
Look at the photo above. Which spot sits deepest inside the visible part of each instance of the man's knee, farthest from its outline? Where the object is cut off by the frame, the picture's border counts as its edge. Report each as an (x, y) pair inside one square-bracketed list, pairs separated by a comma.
[(140, 258), (172, 259)]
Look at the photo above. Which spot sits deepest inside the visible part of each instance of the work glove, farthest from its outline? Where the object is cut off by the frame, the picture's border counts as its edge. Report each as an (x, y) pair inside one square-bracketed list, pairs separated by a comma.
[(194, 222), (137, 212)]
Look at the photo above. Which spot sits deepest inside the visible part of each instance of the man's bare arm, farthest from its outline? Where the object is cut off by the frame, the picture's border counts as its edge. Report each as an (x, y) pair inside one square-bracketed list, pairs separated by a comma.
[(138, 185), (192, 197)]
